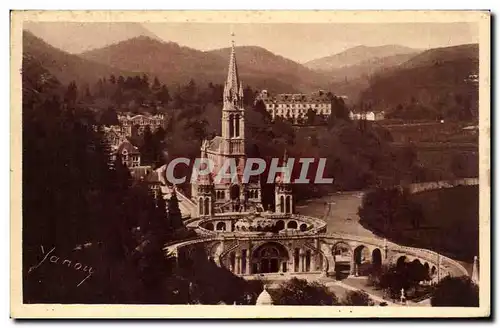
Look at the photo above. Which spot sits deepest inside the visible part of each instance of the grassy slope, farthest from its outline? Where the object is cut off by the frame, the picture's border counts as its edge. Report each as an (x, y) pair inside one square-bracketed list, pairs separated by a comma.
[(453, 221), (439, 145)]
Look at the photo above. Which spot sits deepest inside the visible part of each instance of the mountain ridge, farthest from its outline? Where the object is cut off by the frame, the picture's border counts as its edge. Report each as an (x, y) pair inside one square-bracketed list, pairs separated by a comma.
[(63, 65), (178, 64), (356, 55), (438, 80)]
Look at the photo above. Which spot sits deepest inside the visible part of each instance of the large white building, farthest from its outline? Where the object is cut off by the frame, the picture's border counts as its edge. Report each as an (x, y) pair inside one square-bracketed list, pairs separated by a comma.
[(140, 121), (367, 116), (296, 106)]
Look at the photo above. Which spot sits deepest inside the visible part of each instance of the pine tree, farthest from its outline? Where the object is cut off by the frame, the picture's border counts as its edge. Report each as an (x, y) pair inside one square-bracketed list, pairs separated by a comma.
[(163, 96), (148, 146), (71, 94), (174, 212)]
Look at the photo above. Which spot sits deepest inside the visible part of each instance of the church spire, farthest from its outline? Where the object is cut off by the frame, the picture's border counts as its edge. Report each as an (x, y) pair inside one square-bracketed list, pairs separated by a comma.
[(233, 88)]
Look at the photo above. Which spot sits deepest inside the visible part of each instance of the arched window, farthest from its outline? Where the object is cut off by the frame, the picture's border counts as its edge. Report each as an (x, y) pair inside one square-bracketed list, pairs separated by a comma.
[(221, 226), (231, 126), (376, 258), (207, 206), (292, 225), (235, 192), (280, 225), (232, 259), (200, 206), (256, 194), (288, 204), (237, 125), (308, 261), (282, 204)]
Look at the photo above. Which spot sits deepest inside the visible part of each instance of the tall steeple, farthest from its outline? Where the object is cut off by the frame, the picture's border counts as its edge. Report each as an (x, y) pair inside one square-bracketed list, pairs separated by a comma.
[(233, 114), (233, 88)]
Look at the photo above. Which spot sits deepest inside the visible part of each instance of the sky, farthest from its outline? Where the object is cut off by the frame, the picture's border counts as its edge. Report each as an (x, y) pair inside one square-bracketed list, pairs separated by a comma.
[(300, 42)]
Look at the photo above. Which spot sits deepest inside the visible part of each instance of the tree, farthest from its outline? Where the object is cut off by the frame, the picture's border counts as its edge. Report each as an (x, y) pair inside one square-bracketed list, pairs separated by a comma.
[(357, 298), (174, 212), (339, 111), (109, 117), (393, 278), (148, 146), (387, 210), (248, 96), (100, 88), (456, 291), (311, 116), (301, 292), (71, 94), (159, 146), (163, 96)]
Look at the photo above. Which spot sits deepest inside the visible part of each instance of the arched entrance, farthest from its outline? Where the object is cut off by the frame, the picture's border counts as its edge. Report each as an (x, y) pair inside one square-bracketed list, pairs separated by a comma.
[(280, 225), (209, 226), (427, 269), (270, 257), (362, 258), (221, 226), (292, 225), (342, 254), (433, 271), (418, 271), (235, 192), (401, 261), (376, 258)]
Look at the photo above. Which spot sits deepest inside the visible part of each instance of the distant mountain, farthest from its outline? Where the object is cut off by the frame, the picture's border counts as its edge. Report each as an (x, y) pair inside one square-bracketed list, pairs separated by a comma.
[(438, 79), (64, 66), (367, 68), (77, 37), (176, 64), (259, 63), (170, 62), (357, 55)]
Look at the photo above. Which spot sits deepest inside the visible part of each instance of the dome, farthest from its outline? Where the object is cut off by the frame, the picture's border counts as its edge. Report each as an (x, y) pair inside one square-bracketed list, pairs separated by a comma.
[(264, 298)]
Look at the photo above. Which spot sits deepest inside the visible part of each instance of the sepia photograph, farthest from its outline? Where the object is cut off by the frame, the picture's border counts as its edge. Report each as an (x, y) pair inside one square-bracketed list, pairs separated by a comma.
[(250, 164)]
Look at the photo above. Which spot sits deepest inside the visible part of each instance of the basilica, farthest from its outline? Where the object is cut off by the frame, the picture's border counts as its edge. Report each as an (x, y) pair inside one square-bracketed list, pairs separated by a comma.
[(235, 232), (227, 195)]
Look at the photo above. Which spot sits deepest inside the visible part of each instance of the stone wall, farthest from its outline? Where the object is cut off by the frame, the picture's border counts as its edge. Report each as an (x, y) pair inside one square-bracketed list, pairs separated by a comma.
[(425, 186)]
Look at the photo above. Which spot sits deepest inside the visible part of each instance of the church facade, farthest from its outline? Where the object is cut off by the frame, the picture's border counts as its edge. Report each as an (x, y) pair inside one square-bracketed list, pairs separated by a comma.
[(227, 195)]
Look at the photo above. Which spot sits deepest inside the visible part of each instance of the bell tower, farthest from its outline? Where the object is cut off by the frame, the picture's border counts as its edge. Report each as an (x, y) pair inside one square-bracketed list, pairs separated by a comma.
[(283, 190), (233, 115)]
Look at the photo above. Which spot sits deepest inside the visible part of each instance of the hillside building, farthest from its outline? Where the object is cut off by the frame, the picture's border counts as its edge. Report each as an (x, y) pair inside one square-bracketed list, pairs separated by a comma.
[(128, 123), (368, 116), (296, 106)]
